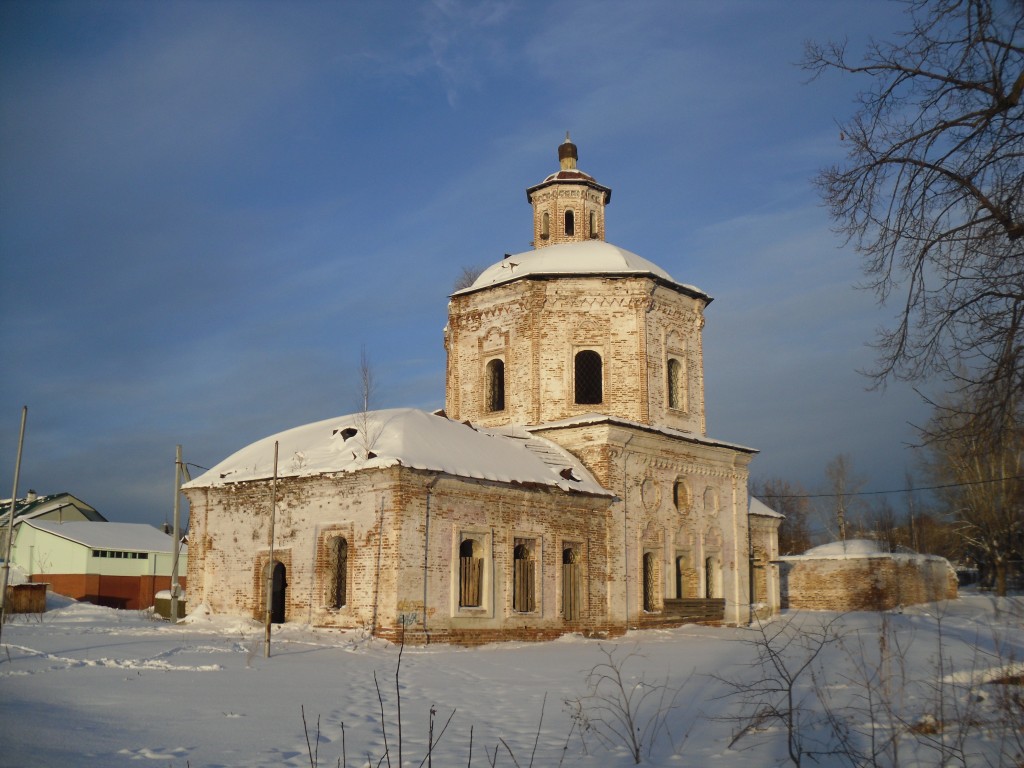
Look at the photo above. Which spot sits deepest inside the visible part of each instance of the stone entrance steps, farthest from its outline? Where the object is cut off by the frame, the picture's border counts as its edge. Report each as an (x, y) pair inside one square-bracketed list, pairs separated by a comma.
[(675, 613)]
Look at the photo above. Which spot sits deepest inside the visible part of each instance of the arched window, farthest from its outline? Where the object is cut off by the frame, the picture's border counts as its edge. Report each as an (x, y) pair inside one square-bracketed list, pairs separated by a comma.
[(496, 385), (588, 377), (338, 558), (593, 224), (570, 223), (471, 573), (523, 577), (545, 226), (681, 496), (710, 500), (572, 592), (675, 383)]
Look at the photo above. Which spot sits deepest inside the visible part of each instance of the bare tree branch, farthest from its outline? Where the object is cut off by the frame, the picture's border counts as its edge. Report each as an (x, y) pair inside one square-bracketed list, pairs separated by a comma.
[(931, 194)]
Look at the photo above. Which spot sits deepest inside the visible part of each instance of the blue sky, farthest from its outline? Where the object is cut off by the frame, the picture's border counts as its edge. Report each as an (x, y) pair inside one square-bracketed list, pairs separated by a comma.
[(208, 208)]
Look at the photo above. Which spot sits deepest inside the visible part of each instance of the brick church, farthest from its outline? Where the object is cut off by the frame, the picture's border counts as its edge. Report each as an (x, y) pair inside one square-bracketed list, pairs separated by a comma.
[(568, 485)]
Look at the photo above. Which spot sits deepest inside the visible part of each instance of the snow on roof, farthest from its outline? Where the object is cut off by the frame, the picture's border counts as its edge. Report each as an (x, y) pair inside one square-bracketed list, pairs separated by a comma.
[(592, 257), (27, 508), (758, 507), (134, 537), (848, 547), (407, 437), (853, 549), (598, 418)]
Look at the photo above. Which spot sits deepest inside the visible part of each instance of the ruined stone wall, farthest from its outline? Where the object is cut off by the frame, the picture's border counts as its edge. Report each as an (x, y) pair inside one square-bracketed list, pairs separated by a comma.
[(497, 517), (403, 563), (229, 536), (536, 327), (865, 582)]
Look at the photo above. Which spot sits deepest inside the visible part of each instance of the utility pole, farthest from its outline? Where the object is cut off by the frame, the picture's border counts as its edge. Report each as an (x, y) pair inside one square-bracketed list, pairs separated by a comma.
[(270, 561), (5, 580), (175, 584)]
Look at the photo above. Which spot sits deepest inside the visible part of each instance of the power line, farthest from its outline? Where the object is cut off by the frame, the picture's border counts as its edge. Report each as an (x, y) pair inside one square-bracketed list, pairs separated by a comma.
[(881, 493)]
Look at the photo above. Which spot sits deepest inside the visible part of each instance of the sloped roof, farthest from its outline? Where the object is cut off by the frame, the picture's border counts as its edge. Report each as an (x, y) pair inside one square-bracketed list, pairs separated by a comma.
[(758, 507), (586, 419), (26, 509), (407, 437), (132, 537), (591, 257), (571, 176)]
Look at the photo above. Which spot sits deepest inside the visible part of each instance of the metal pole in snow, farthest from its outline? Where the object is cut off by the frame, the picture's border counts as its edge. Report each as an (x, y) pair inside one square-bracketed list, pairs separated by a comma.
[(10, 523), (175, 584), (270, 562)]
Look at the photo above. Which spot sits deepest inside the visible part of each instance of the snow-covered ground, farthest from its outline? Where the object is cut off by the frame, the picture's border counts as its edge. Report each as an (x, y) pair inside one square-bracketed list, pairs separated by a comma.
[(90, 686)]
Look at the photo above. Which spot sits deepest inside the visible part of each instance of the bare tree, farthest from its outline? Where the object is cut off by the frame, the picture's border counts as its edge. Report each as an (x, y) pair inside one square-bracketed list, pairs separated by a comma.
[(986, 493), (367, 383), (791, 500), (623, 709), (932, 194), (781, 692), (467, 276), (370, 427), (843, 486)]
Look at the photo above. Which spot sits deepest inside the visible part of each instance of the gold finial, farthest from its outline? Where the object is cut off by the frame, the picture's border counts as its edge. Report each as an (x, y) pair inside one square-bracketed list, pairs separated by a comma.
[(567, 154)]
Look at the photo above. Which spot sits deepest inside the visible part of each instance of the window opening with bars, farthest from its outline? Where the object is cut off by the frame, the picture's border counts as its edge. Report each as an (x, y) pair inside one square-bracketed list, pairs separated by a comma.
[(524, 576), (338, 558), (675, 383), (571, 584), (471, 574), (649, 584)]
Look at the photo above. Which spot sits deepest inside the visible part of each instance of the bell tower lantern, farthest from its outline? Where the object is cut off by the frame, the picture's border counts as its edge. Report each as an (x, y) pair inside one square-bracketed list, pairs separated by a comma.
[(568, 206)]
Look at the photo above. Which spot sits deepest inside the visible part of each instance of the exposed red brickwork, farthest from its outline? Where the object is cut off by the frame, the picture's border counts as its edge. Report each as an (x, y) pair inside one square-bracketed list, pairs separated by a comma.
[(869, 583), (128, 592)]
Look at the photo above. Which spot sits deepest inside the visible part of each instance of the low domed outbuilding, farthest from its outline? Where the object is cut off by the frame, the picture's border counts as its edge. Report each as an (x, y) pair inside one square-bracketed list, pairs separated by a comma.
[(858, 575)]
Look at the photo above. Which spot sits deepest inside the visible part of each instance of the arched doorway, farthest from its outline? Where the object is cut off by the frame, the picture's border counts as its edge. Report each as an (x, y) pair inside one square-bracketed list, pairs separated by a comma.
[(648, 581), (710, 578), (278, 594), (680, 579), (571, 584)]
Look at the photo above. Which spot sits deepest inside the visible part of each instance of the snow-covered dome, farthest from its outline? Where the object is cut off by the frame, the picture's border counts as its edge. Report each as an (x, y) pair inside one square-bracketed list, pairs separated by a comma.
[(591, 257), (848, 547), (574, 174), (408, 437)]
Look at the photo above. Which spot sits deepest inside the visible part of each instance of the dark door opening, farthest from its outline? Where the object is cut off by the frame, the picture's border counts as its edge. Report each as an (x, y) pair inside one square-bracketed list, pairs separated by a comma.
[(278, 594)]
